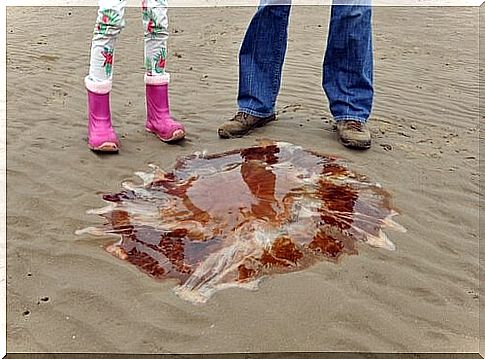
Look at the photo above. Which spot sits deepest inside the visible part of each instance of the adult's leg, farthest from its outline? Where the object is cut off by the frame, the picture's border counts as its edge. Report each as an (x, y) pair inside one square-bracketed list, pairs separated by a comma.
[(261, 58), (348, 63), (348, 70)]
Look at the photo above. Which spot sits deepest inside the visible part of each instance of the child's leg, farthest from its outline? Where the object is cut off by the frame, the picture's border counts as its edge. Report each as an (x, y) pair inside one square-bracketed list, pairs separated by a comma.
[(109, 23), (155, 23), (159, 120)]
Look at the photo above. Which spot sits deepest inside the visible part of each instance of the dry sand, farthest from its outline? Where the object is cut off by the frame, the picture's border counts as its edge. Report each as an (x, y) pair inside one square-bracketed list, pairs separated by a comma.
[(422, 297)]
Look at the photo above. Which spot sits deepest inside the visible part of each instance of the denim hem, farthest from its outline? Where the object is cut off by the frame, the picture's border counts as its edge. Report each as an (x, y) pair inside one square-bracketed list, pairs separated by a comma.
[(350, 118), (255, 113)]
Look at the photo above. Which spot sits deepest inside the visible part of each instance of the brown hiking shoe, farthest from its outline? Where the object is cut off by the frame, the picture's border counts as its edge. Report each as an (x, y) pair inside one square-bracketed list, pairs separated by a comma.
[(242, 124), (354, 134)]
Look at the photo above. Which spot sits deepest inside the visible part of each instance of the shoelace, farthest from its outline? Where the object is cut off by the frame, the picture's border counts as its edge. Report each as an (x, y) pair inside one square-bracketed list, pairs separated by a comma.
[(354, 125), (242, 118)]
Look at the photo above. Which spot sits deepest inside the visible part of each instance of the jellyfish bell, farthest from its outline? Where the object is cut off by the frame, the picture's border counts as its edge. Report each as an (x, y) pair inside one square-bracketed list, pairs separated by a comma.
[(230, 219)]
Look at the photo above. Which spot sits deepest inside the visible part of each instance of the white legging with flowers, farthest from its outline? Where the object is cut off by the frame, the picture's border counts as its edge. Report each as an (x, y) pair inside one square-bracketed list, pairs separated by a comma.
[(109, 23)]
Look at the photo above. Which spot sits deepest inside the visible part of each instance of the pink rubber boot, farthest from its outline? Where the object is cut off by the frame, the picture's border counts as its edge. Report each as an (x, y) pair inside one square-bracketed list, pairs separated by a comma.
[(159, 121), (101, 136)]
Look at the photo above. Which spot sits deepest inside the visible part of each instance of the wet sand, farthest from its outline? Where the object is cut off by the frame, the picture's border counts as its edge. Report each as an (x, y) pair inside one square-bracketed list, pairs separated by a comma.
[(66, 294)]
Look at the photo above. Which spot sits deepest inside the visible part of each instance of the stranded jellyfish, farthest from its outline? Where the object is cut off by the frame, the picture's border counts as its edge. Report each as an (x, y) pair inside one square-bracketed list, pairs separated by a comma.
[(231, 219)]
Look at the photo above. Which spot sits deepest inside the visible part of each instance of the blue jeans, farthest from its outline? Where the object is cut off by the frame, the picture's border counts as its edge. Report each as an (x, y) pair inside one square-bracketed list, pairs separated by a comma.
[(347, 66)]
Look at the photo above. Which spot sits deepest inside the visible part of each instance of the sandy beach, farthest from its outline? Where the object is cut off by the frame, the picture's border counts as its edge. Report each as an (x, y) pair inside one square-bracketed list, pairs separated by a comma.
[(66, 294)]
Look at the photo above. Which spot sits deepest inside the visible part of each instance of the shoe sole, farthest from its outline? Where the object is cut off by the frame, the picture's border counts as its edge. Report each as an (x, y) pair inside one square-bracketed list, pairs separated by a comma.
[(176, 136), (105, 147), (356, 145), (224, 134)]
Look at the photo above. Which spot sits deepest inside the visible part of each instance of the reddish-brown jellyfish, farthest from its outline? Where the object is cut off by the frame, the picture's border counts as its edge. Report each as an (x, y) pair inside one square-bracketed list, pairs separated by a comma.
[(230, 219)]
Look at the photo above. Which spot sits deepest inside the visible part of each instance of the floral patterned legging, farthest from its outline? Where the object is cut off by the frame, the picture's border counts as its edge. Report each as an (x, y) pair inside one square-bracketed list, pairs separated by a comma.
[(110, 22)]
